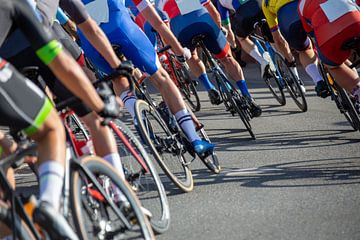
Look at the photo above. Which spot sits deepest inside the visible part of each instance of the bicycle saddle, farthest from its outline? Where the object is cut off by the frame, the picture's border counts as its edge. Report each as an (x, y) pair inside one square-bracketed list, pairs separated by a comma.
[(195, 40)]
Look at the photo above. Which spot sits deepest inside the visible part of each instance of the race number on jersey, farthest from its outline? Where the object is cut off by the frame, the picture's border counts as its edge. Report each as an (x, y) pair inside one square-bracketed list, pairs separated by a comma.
[(334, 9)]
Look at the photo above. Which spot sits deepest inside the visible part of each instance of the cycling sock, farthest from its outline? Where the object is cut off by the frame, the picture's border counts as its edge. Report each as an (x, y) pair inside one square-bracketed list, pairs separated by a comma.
[(51, 175), (186, 123), (256, 55), (206, 82), (114, 160), (243, 88), (313, 72), (129, 100)]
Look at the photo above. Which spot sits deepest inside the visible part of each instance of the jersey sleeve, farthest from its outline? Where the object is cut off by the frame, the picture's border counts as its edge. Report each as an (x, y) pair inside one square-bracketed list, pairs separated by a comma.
[(61, 16), (224, 13), (75, 9), (45, 45), (141, 4), (271, 18), (204, 2)]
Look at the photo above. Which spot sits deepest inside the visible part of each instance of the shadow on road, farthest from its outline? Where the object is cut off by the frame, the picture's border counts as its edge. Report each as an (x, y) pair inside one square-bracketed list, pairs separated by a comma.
[(308, 173), (227, 141)]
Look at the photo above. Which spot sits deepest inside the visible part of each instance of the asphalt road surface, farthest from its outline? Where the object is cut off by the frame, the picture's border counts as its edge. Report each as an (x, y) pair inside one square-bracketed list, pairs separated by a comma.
[(299, 180)]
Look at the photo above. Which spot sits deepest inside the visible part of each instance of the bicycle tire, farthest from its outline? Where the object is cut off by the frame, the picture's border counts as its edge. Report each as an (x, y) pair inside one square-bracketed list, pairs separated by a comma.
[(23, 232), (291, 82), (232, 99), (182, 179), (342, 100), (211, 161), (272, 81), (148, 185), (98, 166), (188, 89)]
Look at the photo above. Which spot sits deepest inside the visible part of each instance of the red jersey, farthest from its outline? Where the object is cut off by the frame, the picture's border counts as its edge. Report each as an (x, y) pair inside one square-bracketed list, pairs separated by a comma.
[(327, 17)]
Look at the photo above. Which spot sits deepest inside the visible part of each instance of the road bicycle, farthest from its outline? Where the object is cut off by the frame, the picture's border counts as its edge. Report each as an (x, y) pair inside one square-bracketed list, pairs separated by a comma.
[(234, 102), (279, 76), (344, 101)]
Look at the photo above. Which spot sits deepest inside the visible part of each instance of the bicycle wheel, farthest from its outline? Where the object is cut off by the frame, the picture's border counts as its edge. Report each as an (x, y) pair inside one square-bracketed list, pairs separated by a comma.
[(23, 232), (93, 216), (233, 101), (272, 79), (342, 99), (142, 176), (291, 83), (188, 89), (211, 161), (167, 149)]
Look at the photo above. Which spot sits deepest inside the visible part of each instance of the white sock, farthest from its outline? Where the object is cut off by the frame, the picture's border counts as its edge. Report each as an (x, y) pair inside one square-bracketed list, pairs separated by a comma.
[(256, 55), (295, 72), (313, 72), (129, 101), (114, 160), (51, 175), (186, 123)]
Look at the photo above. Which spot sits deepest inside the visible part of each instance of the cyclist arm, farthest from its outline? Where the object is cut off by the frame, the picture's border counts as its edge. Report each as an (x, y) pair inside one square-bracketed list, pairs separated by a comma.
[(213, 12), (91, 30), (150, 14), (225, 22), (50, 52), (67, 24), (281, 44)]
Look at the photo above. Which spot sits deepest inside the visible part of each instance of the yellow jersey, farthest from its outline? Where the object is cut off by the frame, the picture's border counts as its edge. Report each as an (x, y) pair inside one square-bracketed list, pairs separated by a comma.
[(271, 8)]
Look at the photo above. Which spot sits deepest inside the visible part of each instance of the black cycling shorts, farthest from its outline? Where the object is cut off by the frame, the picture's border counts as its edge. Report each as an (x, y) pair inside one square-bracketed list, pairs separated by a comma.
[(246, 16), (23, 106), (28, 58)]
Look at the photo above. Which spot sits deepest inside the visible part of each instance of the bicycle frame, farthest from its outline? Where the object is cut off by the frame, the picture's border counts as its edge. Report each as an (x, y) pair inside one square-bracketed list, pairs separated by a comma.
[(257, 41)]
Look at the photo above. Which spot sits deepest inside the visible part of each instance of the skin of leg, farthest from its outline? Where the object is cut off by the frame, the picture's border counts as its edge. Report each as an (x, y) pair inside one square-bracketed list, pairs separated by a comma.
[(345, 77), (8, 147), (102, 137), (197, 67), (282, 45), (232, 67), (246, 44), (51, 140), (307, 57)]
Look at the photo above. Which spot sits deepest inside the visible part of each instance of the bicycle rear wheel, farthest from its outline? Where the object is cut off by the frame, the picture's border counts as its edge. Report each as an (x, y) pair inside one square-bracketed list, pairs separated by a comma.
[(272, 79), (233, 101), (167, 149), (142, 176), (188, 89), (93, 217), (291, 83)]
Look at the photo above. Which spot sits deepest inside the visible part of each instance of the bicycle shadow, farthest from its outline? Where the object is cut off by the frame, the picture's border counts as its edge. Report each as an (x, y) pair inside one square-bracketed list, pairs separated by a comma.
[(225, 140), (295, 174)]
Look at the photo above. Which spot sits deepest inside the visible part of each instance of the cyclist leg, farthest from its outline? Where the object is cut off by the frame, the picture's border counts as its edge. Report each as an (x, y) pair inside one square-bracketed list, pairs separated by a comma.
[(244, 20), (293, 31), (200, 22), (137, 48)]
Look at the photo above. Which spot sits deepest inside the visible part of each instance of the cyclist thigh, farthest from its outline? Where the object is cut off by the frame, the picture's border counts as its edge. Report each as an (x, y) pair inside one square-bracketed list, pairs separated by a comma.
[(23, 106), (197, 23), (133, 44), (291, 27), (245, 17)]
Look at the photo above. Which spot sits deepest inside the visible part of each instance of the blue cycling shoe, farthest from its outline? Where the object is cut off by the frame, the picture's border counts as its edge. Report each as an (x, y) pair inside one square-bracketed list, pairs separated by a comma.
[(201, 146)]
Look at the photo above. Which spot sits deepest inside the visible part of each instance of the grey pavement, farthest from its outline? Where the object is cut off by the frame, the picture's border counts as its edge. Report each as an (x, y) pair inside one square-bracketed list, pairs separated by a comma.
[(299, 180)]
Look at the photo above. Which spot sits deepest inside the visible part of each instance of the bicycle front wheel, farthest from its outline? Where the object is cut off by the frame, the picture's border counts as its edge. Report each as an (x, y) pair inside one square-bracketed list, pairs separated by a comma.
[(94, 218), (272, 80), (165, 147), (188, 89), (233, 101), (291, 83), (142, 176)]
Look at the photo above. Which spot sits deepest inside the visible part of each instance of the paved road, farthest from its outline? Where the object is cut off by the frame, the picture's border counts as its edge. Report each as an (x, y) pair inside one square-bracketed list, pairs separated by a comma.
[(299, 180)]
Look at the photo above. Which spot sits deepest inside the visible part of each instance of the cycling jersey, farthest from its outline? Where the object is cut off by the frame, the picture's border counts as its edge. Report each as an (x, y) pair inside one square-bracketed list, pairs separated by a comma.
[(224, 6), (333, 22), (270, 9)]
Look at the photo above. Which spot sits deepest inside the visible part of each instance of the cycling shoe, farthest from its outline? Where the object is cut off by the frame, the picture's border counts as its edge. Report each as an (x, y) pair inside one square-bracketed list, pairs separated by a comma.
[(201, 146)]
